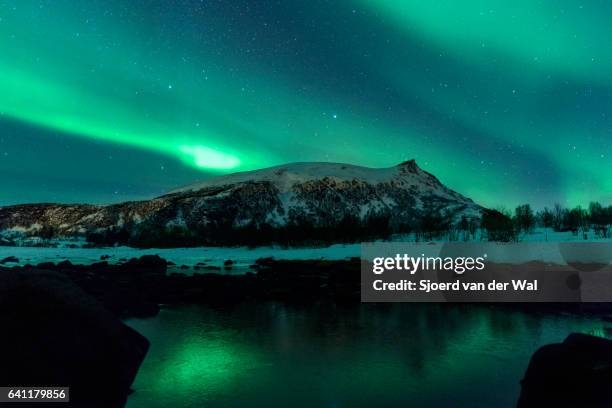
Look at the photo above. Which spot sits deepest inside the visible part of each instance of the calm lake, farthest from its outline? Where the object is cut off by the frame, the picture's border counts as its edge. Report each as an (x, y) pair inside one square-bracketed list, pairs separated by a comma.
[(274, 355)]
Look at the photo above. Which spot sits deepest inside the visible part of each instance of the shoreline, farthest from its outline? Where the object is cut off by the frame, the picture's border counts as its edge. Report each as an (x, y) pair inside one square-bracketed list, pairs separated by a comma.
[(138, 286)]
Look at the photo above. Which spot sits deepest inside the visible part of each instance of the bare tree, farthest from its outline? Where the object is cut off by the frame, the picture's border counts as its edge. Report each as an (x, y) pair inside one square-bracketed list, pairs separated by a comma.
[(546, 218), (524, 218)]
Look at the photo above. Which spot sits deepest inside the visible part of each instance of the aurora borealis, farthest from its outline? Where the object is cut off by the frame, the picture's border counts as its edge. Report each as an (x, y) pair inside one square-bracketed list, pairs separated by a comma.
[(108, 100)]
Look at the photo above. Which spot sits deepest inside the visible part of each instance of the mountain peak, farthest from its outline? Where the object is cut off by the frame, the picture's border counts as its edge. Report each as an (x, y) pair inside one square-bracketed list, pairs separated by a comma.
[(409, 165), (287, 175)]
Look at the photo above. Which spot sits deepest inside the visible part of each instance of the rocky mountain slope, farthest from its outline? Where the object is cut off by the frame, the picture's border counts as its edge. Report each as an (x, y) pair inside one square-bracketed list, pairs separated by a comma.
[(293, 203)]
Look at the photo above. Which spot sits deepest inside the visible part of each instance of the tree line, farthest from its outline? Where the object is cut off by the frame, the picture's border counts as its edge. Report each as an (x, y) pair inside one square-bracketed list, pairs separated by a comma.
[(503, 225), (577, 220), (433, 221)]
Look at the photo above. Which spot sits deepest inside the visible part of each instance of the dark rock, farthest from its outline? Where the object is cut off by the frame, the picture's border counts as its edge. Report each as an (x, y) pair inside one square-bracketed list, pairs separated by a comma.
[(144, 309), (177, 274), (53, 333), (99, 265), (151, 264), (170, 263), (9, 259), (264, 261), (575, 373), (66, 264), (104, 257), (131, 289), (46, 265), (228, 262)]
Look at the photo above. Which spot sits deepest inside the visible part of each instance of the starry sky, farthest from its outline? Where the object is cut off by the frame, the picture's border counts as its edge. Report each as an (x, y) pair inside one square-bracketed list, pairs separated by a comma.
[(104, 100)]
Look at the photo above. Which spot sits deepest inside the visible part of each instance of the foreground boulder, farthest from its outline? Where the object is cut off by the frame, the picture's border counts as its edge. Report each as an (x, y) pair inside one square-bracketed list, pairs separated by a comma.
[(54, 334), (575, 373), (9, 259)]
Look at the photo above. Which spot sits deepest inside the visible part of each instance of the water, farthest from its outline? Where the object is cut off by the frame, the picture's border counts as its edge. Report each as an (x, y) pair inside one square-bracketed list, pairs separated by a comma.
[(273, 355)]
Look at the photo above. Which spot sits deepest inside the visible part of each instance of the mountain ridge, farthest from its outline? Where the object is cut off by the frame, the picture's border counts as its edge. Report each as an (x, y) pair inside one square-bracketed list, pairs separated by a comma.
[(281, 201)]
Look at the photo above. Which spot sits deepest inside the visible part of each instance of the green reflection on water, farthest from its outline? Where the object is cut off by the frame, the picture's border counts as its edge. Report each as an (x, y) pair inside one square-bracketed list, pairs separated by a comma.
[(201, 362), (269, 354), (190, 360)]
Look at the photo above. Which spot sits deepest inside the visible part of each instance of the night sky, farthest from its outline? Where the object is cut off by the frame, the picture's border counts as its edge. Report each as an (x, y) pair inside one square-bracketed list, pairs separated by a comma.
[(105, 100)]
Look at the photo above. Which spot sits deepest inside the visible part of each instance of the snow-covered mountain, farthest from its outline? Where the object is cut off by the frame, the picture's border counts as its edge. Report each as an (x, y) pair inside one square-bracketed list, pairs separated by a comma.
[(291, 203)]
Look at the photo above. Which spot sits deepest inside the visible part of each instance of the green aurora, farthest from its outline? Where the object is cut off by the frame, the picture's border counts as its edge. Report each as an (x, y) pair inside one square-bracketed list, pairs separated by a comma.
[(506, 103)]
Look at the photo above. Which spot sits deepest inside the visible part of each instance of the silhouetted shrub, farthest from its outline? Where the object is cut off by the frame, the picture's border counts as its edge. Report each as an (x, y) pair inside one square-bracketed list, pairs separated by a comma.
[(498, 227)]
